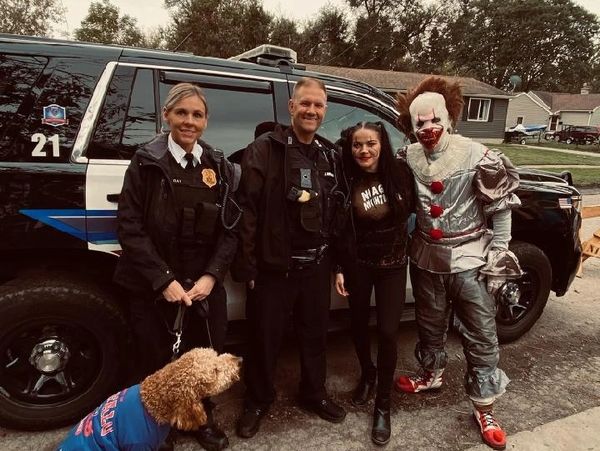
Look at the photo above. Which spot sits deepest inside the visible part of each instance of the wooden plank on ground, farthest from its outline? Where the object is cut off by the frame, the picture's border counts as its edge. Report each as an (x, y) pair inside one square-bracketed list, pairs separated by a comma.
[(590, 211)]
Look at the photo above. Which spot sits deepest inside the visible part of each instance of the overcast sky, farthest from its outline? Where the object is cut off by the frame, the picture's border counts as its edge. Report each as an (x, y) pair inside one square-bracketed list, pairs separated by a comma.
[(151, 13)]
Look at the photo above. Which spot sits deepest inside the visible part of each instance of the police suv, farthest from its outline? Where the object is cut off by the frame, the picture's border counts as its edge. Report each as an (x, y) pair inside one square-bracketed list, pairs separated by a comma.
[(72, 115)]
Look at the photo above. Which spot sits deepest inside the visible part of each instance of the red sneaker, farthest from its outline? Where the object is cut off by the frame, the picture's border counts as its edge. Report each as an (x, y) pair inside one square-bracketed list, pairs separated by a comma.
[(426, 380), (491, 432)]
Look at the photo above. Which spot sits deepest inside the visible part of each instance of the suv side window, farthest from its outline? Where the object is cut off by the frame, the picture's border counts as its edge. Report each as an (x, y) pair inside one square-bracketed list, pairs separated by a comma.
[(342, 113), (235, 107), (128, 116)]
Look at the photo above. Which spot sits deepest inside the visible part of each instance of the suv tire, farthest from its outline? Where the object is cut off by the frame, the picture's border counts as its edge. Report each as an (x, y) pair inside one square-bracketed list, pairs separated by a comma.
[(73, 329), (569, 140), (513, 320)]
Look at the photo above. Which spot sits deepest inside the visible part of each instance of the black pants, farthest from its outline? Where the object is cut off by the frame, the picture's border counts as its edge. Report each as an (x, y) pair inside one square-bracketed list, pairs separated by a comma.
[(390, 294), (304, 293), (152, 320)]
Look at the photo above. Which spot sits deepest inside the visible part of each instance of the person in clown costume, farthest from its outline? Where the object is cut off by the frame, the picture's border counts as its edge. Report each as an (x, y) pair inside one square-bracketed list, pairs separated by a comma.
[(459, 251)]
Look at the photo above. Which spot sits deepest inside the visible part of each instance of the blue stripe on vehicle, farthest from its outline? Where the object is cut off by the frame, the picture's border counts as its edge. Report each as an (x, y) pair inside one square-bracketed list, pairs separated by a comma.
[(101, 224)]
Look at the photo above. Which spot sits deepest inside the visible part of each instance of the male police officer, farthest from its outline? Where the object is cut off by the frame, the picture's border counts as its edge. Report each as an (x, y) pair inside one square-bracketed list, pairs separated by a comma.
[(288, 192)]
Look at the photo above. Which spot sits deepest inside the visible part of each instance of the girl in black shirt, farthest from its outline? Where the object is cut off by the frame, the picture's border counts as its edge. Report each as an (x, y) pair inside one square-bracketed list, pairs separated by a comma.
[(375, 257)]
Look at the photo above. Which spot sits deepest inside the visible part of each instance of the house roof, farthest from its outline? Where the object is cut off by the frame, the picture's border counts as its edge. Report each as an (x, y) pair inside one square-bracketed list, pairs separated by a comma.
[(388, 80), (559, 101)]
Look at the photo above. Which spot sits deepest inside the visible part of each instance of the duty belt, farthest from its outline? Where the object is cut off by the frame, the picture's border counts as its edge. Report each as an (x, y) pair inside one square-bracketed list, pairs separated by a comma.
[(305, 258)]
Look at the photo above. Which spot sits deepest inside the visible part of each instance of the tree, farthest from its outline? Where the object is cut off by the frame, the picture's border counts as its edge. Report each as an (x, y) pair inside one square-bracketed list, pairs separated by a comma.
[(105, 25), (595, 85), (284, 32), (390, 34), (221, 28), (30, 17), (325, 39), (549, 43)]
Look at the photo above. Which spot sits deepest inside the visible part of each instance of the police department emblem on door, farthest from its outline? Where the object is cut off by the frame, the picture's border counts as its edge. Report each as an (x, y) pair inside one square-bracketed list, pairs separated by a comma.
[(209, 177), (54, 115)]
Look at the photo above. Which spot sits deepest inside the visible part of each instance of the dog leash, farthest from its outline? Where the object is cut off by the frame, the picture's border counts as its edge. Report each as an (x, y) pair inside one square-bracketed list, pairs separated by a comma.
[(178, 331)]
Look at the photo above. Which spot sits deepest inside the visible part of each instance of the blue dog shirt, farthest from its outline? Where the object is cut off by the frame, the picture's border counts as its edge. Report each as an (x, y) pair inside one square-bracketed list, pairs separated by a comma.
[(119, 423)]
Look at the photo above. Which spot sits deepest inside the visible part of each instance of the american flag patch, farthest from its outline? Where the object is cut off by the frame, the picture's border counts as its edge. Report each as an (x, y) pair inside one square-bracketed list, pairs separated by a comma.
[(565, 202)]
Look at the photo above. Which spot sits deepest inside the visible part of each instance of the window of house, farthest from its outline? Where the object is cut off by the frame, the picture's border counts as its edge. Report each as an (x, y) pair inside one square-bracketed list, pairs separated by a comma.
[(519, 120), (479, 109)]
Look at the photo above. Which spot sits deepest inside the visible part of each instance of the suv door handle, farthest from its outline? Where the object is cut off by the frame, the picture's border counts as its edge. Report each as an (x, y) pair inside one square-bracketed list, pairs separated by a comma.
[(114, 197)]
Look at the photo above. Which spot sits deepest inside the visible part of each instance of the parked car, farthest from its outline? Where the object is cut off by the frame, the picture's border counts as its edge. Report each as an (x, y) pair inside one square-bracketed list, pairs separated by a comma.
[(578, 134), (72, 114)]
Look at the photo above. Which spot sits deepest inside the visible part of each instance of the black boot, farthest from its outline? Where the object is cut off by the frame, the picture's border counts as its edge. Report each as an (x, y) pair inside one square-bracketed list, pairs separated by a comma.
[(382, 429), (210, 436), (365, 388)]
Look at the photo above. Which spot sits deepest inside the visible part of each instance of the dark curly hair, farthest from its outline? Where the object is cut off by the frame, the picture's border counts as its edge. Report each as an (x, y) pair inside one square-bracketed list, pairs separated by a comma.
[(388, 171)]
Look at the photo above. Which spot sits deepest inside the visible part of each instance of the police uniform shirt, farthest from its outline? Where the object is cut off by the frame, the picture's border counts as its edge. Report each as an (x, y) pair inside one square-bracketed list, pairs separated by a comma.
[(179, 154)]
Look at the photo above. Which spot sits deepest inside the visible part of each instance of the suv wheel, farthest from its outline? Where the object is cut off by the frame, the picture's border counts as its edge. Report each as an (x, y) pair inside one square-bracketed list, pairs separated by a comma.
[(569, 140), (516, 315), (523, 141), (59, 351)]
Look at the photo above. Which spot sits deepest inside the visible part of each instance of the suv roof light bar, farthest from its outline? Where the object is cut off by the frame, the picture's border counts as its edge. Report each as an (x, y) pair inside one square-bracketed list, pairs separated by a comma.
[(270, 55)]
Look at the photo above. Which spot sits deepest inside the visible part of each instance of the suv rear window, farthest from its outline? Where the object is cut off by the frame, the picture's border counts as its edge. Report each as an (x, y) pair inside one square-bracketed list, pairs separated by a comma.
[(66, 84), (18, 75), (344, 113)]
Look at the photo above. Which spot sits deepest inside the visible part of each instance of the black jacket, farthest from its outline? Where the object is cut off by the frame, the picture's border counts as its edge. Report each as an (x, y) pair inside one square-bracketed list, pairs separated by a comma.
[(148, 221), (264, 229), (346, 252)]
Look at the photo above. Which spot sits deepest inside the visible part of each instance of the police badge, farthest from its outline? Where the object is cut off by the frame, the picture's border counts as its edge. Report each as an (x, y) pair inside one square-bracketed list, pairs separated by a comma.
[(54, 115), (209, 177)]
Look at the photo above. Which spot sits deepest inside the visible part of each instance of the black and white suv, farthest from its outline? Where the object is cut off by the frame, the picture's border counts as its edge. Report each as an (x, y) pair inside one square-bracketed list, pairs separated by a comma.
[(71, 116)]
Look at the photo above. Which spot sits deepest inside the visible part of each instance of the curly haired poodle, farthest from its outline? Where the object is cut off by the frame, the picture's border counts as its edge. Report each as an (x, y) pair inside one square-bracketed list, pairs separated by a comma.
[(141, 416)]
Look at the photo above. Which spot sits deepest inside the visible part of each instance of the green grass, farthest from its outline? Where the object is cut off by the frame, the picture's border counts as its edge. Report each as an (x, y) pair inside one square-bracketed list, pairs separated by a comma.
[(582, 177), (595, 148), (526, 155)]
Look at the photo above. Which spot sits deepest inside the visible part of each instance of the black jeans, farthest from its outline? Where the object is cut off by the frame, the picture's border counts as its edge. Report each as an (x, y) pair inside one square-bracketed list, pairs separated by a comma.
[(305, 294), (153, 319), (390, 294)]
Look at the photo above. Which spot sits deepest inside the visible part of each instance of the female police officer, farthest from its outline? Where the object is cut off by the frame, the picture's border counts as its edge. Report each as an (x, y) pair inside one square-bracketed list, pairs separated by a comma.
[(174, 224)]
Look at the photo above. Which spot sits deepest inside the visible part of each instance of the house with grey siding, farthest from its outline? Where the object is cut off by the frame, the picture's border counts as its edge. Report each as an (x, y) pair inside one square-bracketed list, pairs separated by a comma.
[(554, 109), (484, 113)]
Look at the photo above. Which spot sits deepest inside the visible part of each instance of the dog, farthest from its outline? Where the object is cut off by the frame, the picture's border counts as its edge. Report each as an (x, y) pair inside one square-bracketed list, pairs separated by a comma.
[(142, 415)]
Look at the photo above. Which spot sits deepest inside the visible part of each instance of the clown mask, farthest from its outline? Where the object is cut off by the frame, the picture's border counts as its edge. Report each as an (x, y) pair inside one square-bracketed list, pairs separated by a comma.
[(430, 120)]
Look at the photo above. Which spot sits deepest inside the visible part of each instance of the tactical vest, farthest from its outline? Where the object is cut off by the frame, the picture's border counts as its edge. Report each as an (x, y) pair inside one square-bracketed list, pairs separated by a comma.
[(197, 198), (310, 179)]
